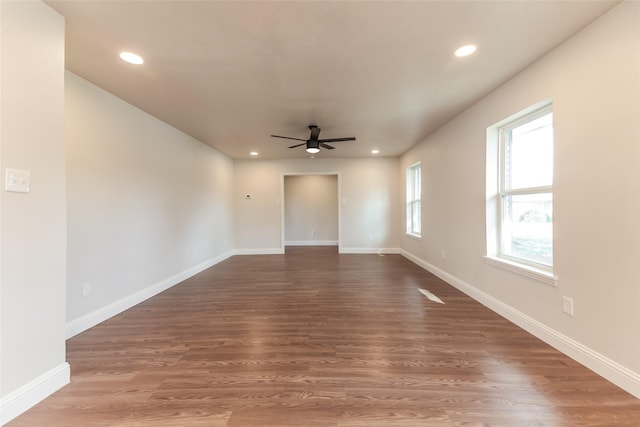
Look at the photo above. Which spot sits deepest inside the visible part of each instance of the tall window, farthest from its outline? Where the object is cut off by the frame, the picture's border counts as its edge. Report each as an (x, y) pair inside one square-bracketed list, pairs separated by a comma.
[(525, 189), (414, 208)]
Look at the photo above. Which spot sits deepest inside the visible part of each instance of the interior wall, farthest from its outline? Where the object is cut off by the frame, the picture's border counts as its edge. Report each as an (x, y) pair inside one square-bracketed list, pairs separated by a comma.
[(369, 207), (146, 202), (33, 225), (311, 210), (594, 81)]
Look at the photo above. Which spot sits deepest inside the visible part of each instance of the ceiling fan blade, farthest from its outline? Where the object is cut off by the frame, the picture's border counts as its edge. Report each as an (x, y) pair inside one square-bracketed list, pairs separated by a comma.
[(288, 137), (328, 147), (315, 132), (298, 145), (351, 138)]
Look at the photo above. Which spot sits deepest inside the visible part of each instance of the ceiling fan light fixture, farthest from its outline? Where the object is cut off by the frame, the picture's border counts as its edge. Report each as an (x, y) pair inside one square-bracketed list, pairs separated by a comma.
[(313, 146)]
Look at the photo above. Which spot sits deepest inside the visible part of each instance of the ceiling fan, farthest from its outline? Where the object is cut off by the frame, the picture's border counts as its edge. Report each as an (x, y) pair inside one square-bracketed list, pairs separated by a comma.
[(313, 143)]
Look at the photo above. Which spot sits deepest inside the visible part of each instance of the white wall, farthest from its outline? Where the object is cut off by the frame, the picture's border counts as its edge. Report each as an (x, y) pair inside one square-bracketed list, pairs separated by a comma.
[(311, 209), (369, 210), (33, 225), (594, 80), (147, 205)]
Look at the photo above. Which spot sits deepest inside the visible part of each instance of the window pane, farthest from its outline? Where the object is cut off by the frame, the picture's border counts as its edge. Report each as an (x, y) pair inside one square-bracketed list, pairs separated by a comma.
[(416, 211), (527, 227), (529, 154), (416, 183)]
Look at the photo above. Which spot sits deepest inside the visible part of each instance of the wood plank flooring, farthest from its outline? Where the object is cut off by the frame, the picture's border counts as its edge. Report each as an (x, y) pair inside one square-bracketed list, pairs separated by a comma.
[(316, 339)]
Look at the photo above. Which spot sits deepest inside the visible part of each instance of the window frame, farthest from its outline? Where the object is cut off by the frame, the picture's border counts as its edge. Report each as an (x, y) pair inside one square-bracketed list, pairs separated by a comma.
[(412, 200), (497, 139)]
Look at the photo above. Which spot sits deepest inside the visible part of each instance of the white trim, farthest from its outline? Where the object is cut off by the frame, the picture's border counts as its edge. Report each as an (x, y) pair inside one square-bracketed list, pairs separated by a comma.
[(611, 370), (19, 401), (533, 273), (89, 320), (524, 115), (311, 243), (282, 209), (379, 251), (260, 251)]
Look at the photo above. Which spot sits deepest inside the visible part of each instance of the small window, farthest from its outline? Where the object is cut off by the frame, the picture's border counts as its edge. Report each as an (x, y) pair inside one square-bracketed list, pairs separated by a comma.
[(414, 207), (524, 193)]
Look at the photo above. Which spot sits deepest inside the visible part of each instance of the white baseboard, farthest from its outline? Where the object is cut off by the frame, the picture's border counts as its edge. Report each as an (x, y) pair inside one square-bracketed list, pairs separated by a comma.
[(342, 250), (262, 251), (379, 251), (311, 243), (89, 320), (614, 372), (36, 390)]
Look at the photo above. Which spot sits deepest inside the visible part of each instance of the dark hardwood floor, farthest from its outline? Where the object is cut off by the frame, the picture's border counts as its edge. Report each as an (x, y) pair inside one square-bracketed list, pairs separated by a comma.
[(313, 338)]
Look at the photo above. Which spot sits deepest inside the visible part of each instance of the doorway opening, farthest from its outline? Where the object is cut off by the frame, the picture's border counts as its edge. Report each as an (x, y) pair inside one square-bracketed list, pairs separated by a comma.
[(310, 209)]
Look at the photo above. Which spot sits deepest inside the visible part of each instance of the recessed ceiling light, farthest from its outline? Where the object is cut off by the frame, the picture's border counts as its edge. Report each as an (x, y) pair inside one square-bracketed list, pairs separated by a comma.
[(465, 50), (375, 151), (131, 58), (254, 153)]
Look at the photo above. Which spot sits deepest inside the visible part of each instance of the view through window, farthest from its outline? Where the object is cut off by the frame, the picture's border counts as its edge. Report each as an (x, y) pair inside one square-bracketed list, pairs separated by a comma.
[(526, 194)]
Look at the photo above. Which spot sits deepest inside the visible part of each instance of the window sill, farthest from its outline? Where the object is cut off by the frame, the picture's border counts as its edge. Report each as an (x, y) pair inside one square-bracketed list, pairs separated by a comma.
[(414, 236), (533, 273)]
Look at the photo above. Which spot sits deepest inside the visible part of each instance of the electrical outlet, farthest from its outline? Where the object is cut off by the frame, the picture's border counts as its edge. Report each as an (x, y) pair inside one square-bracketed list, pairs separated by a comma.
[(442, 254), (86, 289), (567, 305)]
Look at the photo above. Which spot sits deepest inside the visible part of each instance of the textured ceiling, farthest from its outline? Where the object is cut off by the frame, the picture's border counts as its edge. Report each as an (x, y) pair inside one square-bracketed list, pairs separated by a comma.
[(232, 73)]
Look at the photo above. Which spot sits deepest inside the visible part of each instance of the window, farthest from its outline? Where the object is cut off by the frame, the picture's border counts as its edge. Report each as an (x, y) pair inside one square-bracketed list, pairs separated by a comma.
[(523, 196), (414, 208)]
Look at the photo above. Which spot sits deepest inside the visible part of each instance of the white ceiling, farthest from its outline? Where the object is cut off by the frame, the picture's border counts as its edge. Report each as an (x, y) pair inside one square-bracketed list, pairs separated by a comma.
[(232, 73)]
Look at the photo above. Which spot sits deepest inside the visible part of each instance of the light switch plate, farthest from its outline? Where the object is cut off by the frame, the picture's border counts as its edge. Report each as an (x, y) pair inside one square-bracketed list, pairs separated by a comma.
[(17, 181)]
